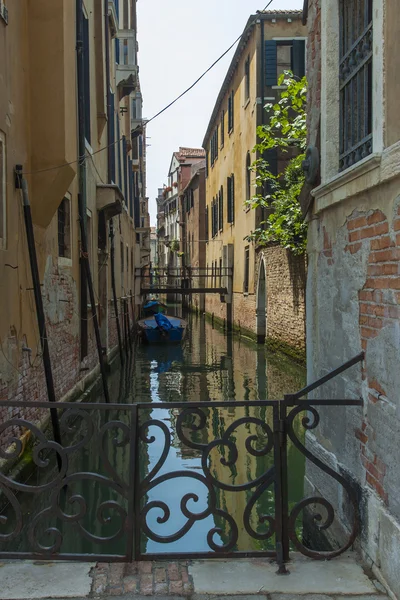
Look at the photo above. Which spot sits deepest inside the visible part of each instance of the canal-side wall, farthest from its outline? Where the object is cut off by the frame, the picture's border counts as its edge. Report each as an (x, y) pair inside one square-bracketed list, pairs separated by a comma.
[(284, 302)]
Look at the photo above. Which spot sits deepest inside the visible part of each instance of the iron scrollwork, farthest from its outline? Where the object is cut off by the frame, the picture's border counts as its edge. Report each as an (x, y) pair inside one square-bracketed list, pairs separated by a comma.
[(66, 507), (310, 422), (195, 420)]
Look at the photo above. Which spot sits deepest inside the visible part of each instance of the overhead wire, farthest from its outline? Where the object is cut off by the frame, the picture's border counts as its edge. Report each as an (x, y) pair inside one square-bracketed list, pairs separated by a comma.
[(82, 159)]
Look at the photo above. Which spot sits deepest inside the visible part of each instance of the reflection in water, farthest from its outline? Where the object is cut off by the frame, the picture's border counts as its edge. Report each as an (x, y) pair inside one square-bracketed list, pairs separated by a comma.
[(210, 366)]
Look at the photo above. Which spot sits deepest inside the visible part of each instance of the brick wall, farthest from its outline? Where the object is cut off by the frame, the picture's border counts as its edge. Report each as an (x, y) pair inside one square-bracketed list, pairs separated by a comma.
[(285, 304), (286, 281), (379, 307)]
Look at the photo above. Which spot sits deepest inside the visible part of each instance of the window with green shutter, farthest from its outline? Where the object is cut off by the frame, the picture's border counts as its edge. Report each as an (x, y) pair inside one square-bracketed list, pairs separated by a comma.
[(230, 112), (231, 199), (281, 56)]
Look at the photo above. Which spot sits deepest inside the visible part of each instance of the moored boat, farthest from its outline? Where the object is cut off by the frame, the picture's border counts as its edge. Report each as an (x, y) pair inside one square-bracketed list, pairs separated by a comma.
[(153, 307), (162, 329)]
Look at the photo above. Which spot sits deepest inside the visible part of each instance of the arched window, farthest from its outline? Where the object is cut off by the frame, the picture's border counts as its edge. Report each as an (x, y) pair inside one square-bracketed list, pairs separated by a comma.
[(248, 177)]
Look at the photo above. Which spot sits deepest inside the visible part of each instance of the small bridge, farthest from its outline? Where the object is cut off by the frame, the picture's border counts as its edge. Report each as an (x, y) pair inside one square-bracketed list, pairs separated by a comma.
[(185, 281)]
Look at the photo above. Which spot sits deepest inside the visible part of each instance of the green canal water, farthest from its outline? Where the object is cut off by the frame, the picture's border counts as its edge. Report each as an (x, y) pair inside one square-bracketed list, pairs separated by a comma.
[(210, 366)]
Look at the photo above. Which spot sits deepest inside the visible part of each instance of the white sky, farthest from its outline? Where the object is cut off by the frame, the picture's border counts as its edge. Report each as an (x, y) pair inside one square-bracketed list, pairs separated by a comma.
[(178, 40)]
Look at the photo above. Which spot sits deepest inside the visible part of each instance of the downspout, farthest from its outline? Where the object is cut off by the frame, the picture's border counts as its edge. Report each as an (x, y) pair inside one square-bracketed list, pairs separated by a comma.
[(82, 169), (85, 274), (108, 86)]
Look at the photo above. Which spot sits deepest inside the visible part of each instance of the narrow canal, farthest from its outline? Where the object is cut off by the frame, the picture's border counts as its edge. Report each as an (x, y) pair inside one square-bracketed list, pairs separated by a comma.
[(210, 366)]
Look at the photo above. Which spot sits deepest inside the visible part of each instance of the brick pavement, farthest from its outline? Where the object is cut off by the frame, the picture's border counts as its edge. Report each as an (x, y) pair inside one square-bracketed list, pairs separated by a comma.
[(142, 579)]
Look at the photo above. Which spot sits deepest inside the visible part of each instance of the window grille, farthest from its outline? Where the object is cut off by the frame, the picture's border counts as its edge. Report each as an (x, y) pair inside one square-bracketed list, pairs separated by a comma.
[(355, 74)]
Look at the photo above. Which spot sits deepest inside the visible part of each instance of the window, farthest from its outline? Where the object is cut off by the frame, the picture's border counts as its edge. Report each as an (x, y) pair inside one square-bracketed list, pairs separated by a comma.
[(191, 198), (230, 112), (231, 198), (248, 177), (222, 129), (284, 55), (246, 270), (86, 75), (207, 163), (214, 146), (206, 217), (221, 209), (64, 229), (3, 188), (355, 74), (214, 217), (247, 80)]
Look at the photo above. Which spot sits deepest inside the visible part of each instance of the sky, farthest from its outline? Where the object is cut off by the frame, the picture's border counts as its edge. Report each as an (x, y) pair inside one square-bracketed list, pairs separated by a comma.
[(178, 41)]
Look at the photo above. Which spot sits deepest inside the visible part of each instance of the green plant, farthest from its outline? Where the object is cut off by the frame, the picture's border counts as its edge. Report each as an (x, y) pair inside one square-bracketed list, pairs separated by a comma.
[(286, 131), (174, 246)]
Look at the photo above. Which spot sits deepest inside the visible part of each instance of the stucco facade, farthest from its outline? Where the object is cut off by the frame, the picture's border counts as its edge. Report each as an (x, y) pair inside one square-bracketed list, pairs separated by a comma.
[(192, 208), (39, 130), (353, 288), (251, 82)]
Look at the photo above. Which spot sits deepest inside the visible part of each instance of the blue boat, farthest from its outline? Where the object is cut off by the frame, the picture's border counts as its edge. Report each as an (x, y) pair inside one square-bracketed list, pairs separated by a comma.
[(161, 329), (154, 306)]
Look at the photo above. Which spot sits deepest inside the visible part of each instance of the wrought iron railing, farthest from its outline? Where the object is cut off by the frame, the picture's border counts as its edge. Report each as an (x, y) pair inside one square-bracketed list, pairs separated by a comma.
[(147, 481)]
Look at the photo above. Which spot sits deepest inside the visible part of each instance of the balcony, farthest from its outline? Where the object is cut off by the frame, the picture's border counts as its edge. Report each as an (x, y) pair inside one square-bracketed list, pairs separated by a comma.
[(113, 15), (109, 199), (126, 70)]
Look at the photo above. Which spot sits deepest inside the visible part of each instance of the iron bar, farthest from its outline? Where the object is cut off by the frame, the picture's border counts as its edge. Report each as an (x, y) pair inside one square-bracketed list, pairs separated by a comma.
[(312, 386), (44, 342), (183, 291), (85, 261)]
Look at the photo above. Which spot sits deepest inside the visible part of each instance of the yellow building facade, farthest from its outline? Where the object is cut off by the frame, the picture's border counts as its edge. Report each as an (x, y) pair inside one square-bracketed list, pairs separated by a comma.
[(42, 109), (271, 43)]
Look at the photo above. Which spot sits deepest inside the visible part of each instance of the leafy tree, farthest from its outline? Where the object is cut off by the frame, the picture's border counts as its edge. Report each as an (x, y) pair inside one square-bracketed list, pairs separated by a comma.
[(286, 131)]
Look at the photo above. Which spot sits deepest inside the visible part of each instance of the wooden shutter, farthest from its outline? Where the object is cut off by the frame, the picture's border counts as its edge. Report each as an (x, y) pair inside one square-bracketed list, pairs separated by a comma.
[(130, 174), (270, 63), (86, 74), (112, 138), (230, 112), (206, 217), (221, 209), (233, 197), (271, 156), (125, 166), (229, 200), (298, 58)]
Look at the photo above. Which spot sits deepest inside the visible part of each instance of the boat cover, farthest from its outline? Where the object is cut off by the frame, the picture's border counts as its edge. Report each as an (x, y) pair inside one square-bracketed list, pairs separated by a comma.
[(163, 322)]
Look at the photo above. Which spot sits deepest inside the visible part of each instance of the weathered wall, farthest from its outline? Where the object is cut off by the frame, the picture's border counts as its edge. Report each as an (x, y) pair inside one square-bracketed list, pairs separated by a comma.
[(353, 304), (32, 100)]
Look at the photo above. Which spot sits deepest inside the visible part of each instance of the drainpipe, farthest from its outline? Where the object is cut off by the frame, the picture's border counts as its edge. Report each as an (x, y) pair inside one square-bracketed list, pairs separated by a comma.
[(108, 90), (112, 263), (22, 184), (82, 169), (85, 274)]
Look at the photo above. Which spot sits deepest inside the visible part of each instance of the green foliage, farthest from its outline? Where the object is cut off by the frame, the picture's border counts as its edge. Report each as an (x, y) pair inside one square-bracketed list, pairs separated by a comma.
[(286, 131), (174, 247)]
